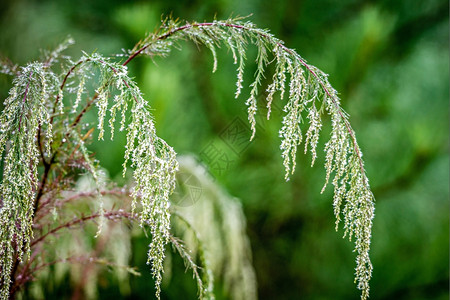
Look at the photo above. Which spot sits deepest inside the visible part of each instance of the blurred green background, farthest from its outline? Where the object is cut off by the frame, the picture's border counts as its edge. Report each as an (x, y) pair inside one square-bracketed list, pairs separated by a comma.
[(390, 62)]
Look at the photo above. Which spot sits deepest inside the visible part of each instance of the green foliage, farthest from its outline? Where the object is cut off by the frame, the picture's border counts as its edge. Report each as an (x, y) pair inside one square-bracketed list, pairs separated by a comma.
[(42, 115)]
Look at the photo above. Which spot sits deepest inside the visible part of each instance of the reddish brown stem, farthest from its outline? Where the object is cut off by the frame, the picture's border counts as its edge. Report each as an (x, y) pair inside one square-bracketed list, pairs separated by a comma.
[(114, 192), (63, 83), (109, 215), (47, 167)]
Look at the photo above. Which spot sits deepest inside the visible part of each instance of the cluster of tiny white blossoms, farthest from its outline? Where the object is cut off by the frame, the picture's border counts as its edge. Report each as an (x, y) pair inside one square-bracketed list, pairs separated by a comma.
[(155, 168), (153, 160), (25, 111)]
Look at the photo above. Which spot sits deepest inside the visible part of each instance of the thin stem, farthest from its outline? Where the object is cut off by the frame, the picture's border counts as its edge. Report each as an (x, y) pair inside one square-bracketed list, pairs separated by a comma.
[(83, 111), (160, 38), (124, 193), (47, 167), (23, 277), (111, 215), (41, 150), (63, 83), (94, 194), (13, 278)]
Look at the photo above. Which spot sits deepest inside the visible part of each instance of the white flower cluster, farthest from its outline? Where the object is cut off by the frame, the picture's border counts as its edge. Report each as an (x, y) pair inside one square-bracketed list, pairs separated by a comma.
[(25, 112), (153, 160)]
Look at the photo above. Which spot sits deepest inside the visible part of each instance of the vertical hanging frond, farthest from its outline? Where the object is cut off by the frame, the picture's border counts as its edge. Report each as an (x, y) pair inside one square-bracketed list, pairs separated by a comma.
[(25, 111), (153, 160)]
